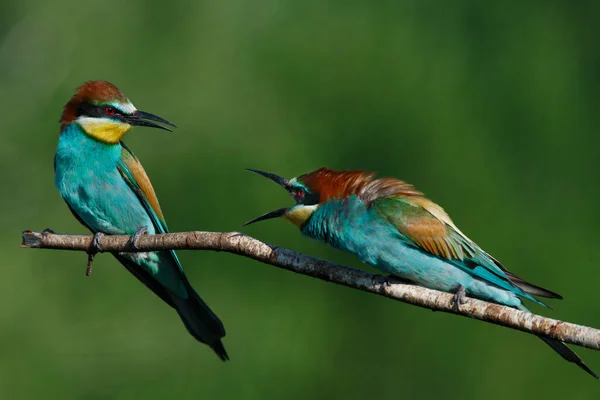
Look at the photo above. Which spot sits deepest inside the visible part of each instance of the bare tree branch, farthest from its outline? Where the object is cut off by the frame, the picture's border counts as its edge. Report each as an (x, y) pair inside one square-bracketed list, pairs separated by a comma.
[(240, 244)]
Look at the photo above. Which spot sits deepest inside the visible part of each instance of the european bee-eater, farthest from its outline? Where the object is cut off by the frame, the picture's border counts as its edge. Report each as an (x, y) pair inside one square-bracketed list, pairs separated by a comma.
[(108, 191), (390, 225)]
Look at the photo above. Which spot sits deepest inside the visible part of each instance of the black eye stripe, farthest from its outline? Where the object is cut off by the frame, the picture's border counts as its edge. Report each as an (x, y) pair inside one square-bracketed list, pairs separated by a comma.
[(303, 196), (91, 110)]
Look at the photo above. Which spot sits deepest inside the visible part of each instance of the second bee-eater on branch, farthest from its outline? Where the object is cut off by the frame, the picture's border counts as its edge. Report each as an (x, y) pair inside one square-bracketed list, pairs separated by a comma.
[(107, 189), (393, 227)]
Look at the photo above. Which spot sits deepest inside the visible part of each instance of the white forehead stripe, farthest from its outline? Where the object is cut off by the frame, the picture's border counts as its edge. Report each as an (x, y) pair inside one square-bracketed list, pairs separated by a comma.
[(127, 107)]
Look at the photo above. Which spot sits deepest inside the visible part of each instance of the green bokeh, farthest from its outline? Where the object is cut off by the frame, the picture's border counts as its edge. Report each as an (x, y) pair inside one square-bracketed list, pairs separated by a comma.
[(490, 109)]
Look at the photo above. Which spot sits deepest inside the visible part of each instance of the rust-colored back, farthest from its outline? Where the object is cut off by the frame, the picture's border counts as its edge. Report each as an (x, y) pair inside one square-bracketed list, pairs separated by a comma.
[(330, 184)]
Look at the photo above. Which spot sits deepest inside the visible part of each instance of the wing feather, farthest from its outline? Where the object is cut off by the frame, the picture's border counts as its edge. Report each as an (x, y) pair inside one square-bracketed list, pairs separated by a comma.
[(134, 174), (427, 226)]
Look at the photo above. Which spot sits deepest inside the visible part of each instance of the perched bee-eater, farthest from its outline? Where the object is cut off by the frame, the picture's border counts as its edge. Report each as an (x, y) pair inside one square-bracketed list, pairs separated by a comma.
[(108, 191), (388, 224)]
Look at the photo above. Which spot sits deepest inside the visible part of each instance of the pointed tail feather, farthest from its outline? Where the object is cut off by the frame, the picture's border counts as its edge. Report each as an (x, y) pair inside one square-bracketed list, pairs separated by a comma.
[(147, 279), (197, 317), (562, 349), (530, 288), (201, 322), (568, 354), (525, 286)]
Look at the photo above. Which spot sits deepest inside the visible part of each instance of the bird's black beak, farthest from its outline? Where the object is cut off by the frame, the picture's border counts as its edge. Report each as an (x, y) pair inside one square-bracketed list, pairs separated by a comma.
[(280, 181), (275, 178), (141, 118), (273, 214)]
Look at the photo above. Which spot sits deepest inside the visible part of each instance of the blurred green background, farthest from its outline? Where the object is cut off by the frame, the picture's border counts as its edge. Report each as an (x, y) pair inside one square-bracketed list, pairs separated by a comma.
[(490, 109)]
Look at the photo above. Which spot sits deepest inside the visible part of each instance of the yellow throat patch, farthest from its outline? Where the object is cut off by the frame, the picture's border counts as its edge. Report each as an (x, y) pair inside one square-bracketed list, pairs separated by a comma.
[(299, 215), (104, 129)]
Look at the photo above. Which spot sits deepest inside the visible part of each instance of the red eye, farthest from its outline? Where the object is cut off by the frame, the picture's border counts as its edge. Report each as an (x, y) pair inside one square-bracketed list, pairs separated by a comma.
[(109, 110), (300, 193)]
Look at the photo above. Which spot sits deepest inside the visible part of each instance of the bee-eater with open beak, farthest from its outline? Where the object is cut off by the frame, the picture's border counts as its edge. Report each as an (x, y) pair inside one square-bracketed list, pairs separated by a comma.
[(388, 224), (108, 191)]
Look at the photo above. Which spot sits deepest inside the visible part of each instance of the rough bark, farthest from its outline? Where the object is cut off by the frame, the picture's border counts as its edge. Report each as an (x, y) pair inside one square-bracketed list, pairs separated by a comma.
[(243, 245)]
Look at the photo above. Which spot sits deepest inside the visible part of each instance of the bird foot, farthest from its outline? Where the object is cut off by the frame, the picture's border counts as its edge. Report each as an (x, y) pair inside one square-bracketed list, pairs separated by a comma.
[(95, 245), (92, 251), (136, 237), (47, 231), (386, 283), (459, 298), (391, 279)]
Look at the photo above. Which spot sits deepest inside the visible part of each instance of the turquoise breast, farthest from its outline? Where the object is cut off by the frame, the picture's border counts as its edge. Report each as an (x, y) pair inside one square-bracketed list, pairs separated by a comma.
[(87, 177)]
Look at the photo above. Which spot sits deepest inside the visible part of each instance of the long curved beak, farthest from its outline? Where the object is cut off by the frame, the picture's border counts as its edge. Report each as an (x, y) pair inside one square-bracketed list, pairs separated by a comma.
[(141, 118), (273, 214), (280, 181), (275, 178)]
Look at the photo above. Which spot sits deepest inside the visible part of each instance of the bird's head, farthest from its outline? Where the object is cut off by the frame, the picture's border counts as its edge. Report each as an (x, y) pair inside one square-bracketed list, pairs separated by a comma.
[(315, 188), (307, 200), (105, 113)]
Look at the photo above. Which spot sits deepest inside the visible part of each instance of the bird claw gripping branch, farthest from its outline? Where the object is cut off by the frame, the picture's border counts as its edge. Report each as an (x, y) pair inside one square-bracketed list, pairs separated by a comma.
[(133, 242), (459, 298), (92, 251)]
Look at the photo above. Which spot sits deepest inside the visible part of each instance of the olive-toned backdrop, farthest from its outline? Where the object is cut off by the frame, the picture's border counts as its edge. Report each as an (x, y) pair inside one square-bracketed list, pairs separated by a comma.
[(490, 109)]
